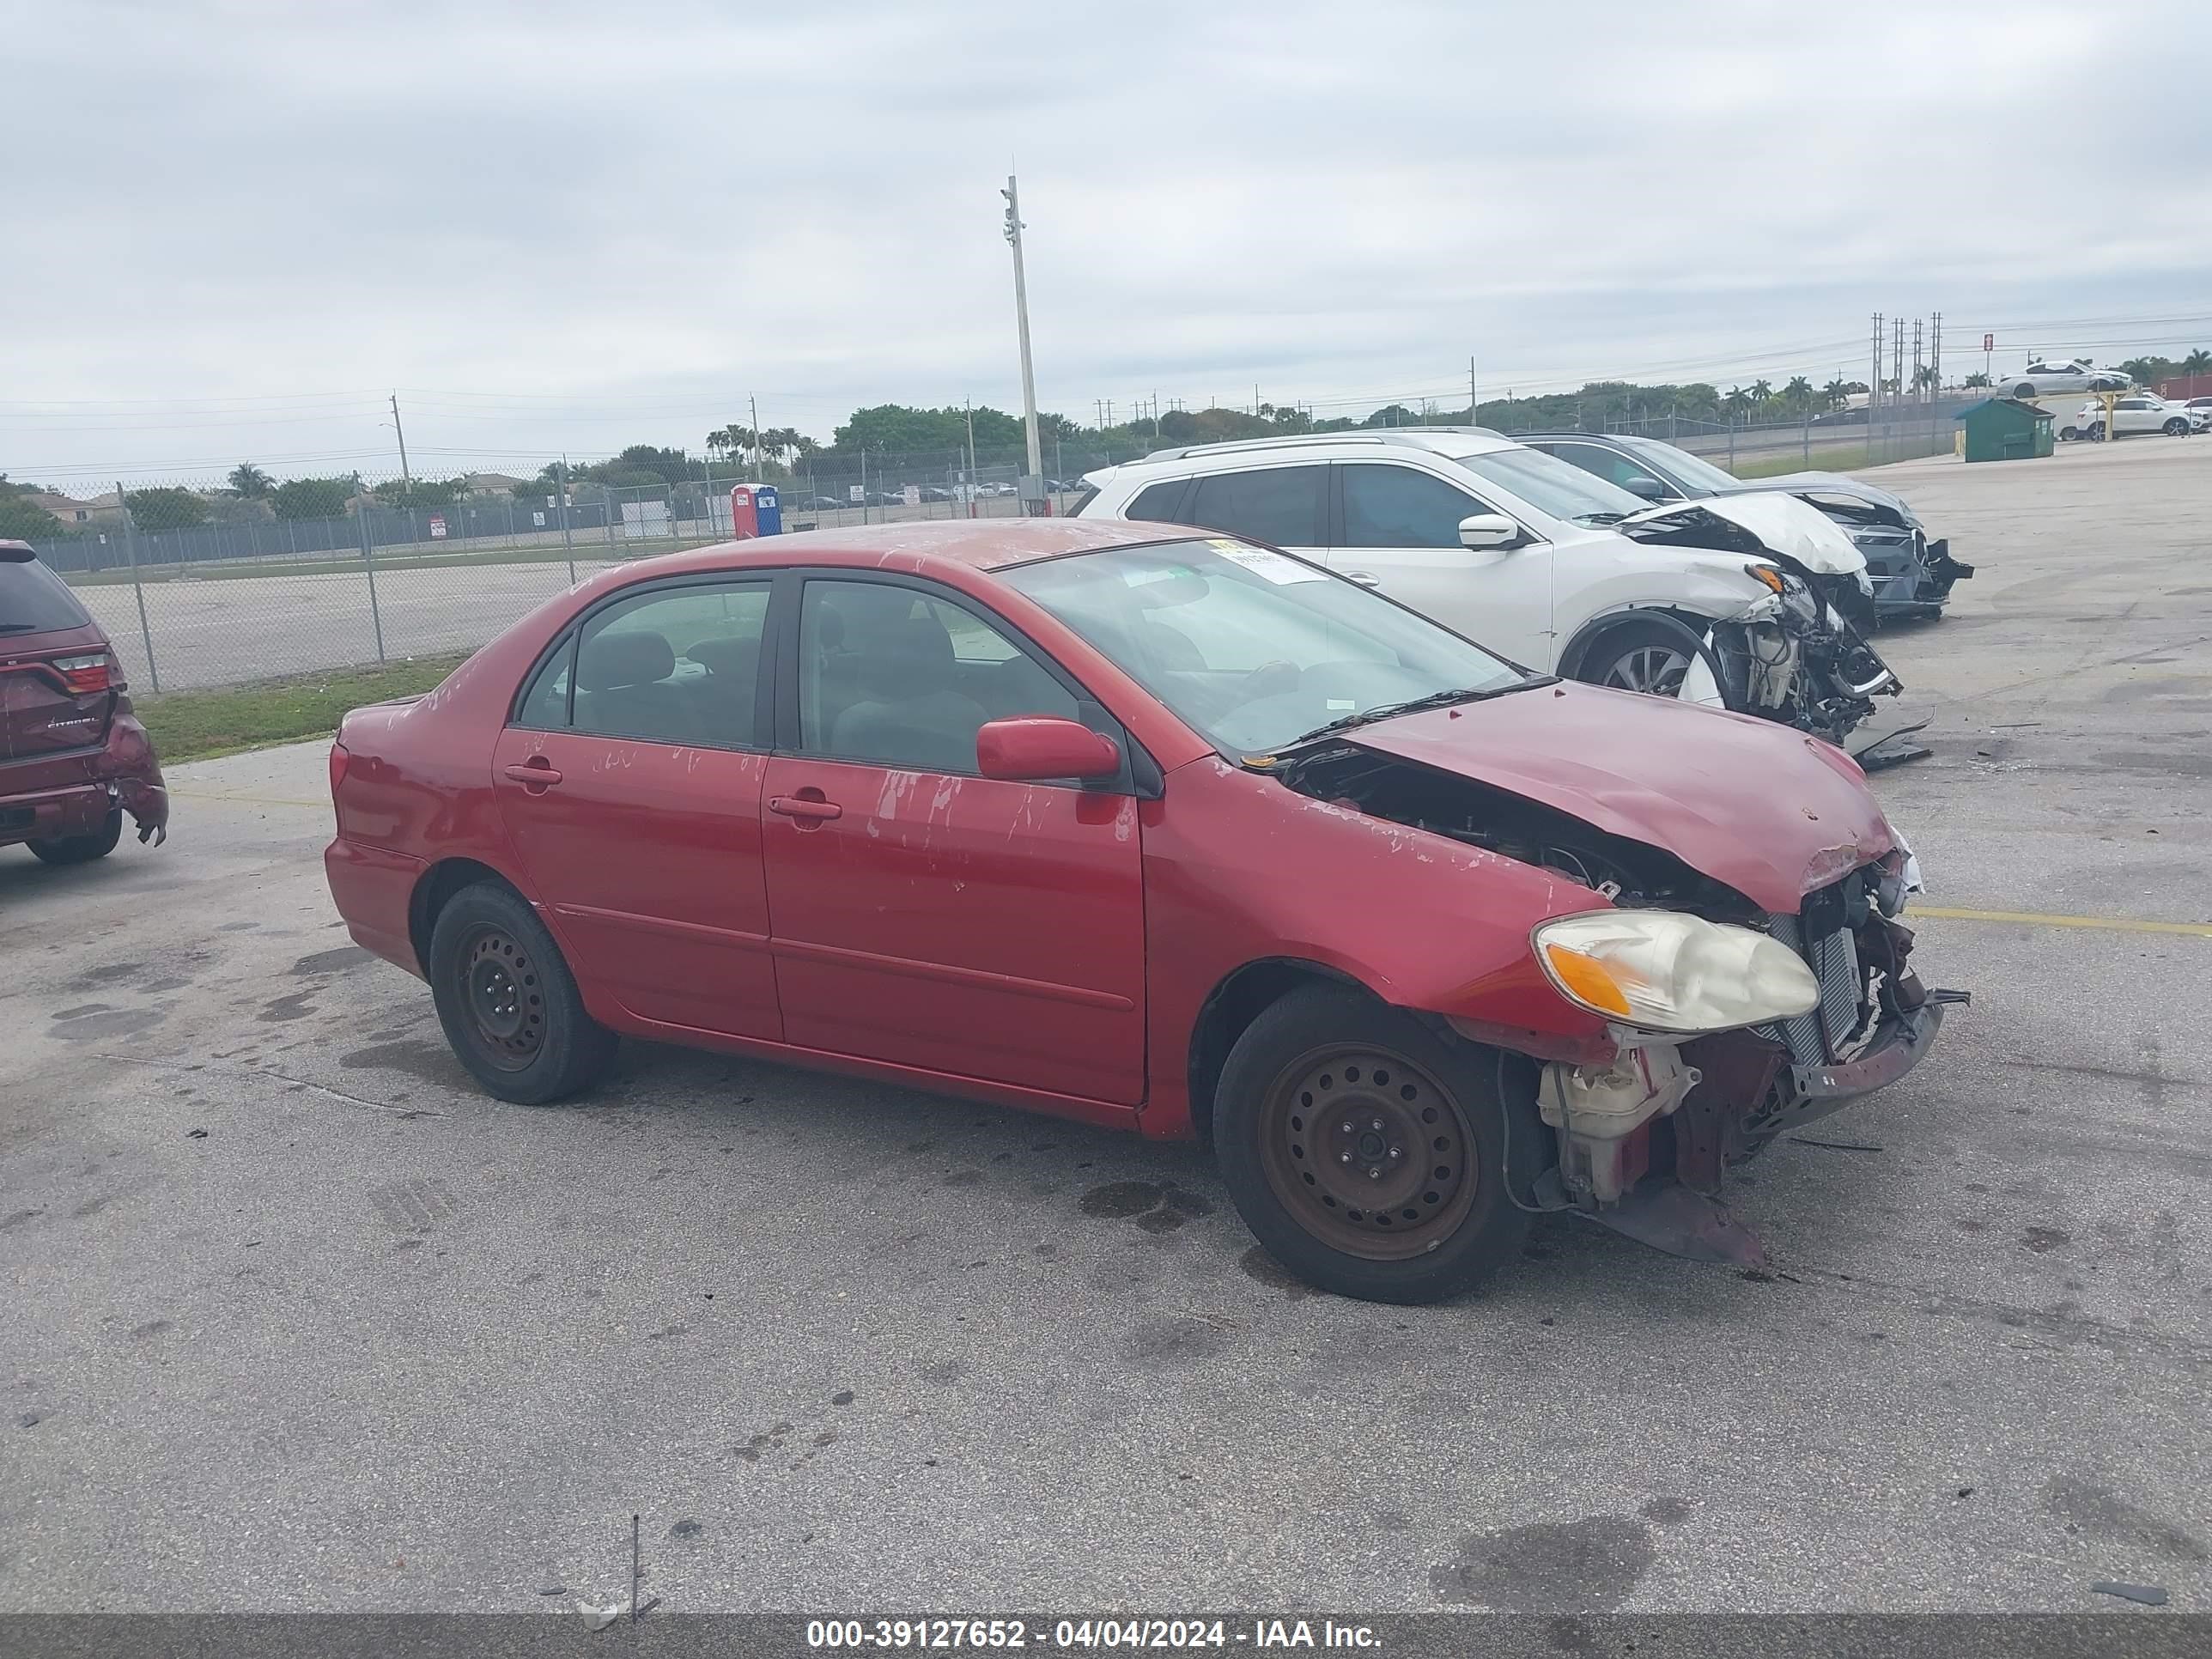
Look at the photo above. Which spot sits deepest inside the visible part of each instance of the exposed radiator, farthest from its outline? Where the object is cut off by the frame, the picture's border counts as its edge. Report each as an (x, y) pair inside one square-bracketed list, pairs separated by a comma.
[(1834, 960)]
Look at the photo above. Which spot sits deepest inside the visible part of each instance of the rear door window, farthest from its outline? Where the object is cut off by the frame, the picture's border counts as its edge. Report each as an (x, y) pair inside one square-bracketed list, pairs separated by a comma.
[(34, 600), (1387, 506), (670, 665), (1277, 504)]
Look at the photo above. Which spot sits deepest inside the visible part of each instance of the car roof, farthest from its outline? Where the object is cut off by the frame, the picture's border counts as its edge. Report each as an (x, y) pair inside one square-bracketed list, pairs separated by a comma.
[(1438, 439), (978, 544)]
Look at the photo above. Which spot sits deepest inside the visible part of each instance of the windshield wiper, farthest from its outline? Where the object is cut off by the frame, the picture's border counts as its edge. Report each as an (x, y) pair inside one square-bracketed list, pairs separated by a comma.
[(1601, 518), (1413, 706), (19, 627)]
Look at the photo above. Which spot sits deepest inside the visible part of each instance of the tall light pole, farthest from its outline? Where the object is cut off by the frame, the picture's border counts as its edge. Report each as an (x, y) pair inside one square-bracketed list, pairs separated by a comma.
[(1013, 232)]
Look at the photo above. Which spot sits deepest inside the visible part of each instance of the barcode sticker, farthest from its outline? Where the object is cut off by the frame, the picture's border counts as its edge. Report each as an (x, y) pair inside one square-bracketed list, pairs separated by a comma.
[(1273, 566)]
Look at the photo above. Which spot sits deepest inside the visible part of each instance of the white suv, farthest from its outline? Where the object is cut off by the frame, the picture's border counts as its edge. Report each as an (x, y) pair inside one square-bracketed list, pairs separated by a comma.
[(1545, 563)]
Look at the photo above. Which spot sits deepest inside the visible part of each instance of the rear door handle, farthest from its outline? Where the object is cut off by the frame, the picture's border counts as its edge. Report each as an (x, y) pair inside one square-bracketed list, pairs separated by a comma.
[(537, 777), (793, 806), (1364, 578)]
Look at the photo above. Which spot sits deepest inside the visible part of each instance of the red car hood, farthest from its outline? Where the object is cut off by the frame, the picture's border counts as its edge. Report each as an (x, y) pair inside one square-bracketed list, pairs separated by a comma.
[(1767, 810)]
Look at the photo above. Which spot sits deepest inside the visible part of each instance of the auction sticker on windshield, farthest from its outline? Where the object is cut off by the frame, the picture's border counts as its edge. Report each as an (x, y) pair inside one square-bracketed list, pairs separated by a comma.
[(1273, 566)]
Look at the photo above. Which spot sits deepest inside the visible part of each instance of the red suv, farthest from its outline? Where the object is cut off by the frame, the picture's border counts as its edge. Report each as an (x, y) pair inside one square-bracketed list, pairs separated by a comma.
[(73, 757)]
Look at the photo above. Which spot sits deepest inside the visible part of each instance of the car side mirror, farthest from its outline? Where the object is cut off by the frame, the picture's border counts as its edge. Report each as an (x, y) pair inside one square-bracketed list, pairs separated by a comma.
[(1033, 748), (1650, 490), (1481, 530)]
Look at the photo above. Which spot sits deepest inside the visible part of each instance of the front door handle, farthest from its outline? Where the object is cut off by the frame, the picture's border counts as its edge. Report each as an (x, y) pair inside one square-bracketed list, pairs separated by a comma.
[(798, 806), (535, 774), (1364, 578)]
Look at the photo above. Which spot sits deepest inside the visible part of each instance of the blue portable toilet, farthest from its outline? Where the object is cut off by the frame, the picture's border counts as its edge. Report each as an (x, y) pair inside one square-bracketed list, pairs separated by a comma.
[(754, 511)]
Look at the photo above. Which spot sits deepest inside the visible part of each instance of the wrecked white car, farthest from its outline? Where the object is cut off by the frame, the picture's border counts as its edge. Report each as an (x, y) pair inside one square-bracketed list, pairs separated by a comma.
[(1749, 607)]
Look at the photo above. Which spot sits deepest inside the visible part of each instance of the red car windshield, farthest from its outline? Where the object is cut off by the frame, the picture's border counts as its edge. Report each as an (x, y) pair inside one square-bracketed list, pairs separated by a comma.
[(1251, 647)]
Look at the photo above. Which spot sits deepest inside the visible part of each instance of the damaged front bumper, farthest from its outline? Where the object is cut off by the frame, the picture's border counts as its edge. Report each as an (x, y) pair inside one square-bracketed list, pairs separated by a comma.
[(1644, 1143), (1794, 658), (1901, 1045)]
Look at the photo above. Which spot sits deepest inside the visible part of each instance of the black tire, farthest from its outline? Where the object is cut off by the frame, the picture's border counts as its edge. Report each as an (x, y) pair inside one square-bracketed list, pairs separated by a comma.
[(2025, 389), (2177, 427), (1651, 654), (80, 849), (1443, 1234), (507, 1001), (2096, 432)]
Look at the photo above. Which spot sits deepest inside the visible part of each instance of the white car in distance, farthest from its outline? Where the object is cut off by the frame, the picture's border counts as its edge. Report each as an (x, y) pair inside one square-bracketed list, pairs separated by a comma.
[(2041, 379)]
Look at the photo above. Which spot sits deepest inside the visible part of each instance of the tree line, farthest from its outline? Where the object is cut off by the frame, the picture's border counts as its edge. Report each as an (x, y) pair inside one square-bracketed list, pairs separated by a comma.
[(888, 436)]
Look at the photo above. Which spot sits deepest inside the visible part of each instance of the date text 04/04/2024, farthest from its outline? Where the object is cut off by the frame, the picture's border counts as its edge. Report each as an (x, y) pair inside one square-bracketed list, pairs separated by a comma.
[(1084, 1634)]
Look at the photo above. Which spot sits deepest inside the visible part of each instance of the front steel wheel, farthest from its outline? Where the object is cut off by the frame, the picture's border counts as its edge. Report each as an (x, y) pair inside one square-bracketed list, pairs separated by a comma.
[(1367, 1153)]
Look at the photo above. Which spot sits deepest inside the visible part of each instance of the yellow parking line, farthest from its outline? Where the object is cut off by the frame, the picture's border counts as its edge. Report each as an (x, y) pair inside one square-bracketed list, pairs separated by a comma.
[(2037, 919), (249, 800)]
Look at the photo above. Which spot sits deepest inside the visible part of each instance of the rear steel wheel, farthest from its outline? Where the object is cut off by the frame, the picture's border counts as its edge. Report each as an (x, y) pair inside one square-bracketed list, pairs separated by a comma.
[(504, 998), (507, 1001)]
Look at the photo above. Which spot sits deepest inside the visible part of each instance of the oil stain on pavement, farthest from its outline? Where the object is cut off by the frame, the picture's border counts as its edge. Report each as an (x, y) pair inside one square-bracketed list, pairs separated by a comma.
[(1590, 1565)]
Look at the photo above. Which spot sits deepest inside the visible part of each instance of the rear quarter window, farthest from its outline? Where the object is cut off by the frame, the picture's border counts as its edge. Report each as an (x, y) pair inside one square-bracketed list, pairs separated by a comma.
[(34, 600)]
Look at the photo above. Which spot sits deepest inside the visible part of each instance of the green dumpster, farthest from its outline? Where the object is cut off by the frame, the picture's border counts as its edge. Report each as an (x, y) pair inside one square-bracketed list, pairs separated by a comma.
[(2005, 429)]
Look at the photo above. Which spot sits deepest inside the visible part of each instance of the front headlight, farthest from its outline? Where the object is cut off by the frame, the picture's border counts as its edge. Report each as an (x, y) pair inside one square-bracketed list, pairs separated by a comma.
[(1661, 970)]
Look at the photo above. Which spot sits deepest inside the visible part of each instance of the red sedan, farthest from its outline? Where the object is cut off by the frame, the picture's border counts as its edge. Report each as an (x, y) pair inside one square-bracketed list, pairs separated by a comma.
[(1175, 834)]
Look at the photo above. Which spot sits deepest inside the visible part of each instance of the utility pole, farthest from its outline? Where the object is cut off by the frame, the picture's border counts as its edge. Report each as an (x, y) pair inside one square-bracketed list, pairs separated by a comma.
[(1022, 319), (1935, 356), (1919, 386), (969, 408), (753, 402), (1473, 397), (406, 482)]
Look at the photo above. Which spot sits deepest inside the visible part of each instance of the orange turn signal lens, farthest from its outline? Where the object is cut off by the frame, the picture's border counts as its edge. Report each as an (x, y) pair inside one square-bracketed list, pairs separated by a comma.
[(1764, 573), (1585, 979)]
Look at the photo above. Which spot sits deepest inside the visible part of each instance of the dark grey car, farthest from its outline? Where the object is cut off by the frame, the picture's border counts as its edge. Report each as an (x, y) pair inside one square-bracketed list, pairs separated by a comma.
[(1912, 576)]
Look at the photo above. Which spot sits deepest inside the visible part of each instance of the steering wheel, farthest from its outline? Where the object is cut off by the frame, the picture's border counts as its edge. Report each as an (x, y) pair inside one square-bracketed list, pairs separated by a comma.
[(1275, 678)]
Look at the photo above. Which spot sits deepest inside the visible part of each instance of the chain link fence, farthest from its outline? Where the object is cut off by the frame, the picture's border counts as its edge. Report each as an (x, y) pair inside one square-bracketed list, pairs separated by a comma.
[(249, 595)]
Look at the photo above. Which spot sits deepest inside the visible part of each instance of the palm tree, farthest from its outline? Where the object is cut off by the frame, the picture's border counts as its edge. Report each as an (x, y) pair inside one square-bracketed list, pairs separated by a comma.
[(249, 482), (1798, 394), (1975, 380), (1837, 392), (2198, 361), (1737, 400), (1761, 391)]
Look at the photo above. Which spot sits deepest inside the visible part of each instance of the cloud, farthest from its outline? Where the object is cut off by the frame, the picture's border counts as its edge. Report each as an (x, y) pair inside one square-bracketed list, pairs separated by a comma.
[(572, 227)]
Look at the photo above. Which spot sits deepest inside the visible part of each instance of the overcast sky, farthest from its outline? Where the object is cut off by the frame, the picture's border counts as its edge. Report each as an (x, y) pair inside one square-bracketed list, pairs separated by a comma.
[(235, 227)]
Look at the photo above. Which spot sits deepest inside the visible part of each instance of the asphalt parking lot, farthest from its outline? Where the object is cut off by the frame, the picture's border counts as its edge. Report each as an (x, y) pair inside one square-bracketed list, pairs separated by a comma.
[(297, 1320)]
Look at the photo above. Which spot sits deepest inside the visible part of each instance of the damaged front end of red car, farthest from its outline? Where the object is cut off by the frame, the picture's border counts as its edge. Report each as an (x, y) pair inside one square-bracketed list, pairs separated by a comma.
[(1644, 1124)]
